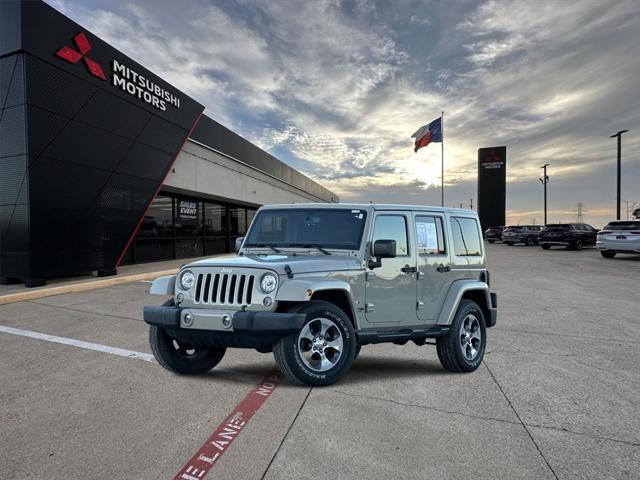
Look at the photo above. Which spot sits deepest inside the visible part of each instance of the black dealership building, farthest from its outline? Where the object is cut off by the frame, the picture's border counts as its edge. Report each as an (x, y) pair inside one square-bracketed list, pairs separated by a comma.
[(104, 163)]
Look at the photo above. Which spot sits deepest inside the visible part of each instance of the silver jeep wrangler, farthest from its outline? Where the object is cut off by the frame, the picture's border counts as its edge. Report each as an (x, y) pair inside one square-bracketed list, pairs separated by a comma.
[(313, 283)]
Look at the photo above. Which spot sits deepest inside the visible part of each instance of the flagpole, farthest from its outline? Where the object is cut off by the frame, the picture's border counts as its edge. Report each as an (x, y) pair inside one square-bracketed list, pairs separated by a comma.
[(442, 159)]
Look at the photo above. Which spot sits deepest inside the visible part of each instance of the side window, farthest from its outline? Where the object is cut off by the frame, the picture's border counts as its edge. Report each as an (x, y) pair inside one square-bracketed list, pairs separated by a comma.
[(430, 235), (466, 241), (392, 227)]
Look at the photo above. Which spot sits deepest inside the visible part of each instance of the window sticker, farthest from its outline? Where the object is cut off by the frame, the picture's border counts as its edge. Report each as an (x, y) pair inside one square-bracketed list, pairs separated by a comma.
[(427, 236)]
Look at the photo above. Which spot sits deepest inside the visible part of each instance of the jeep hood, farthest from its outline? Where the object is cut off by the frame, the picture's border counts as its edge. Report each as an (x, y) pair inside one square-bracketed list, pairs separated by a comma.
[(299, 263)]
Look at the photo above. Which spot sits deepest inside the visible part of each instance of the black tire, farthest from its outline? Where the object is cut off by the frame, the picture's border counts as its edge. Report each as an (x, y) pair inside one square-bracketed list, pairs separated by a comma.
[(531, 242), (509, 243), (180, 358), (290, 356), (545, 246), (607, 253), (578, 245), (450, 350), (491, 241)]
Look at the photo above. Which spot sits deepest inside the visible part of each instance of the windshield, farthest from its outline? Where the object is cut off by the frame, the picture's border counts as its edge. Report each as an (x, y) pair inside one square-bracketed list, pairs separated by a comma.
[(314, 227), (631, 225)]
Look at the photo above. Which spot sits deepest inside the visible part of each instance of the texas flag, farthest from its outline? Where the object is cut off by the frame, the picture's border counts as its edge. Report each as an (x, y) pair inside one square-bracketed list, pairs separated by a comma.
[(427, 134)]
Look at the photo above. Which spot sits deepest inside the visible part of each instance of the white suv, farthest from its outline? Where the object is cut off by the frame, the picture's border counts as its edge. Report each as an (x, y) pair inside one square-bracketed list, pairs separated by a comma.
[(620, 236)]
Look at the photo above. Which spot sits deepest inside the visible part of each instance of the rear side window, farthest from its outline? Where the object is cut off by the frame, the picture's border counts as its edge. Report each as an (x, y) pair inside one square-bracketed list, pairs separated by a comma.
[(429, 235), (466, 240)]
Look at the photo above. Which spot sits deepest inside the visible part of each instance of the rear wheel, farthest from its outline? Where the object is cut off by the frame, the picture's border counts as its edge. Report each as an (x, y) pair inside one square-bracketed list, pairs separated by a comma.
[(462, 349), (509, 243), (607, 253), (577, 245), (545, 246), (490, 241), (531, 241), (178, 357)]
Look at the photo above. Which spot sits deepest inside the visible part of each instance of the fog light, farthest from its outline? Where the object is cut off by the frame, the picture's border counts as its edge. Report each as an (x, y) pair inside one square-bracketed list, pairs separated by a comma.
[(226, 321), (267, 302), (180, 297), (188, 320)]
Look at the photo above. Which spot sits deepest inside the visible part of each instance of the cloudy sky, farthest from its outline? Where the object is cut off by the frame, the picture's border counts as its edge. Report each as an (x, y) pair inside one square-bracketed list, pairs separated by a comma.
[(336, 88)]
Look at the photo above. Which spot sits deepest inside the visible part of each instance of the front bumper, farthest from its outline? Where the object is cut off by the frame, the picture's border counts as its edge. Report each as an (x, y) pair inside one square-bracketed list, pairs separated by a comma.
[(253, 323)]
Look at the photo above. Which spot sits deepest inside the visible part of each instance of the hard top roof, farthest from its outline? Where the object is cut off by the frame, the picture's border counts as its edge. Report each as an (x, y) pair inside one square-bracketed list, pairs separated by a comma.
[(371, 206)]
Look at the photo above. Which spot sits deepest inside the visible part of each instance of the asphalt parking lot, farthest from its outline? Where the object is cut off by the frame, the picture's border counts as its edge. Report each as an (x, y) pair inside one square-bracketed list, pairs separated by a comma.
[(557, 395)]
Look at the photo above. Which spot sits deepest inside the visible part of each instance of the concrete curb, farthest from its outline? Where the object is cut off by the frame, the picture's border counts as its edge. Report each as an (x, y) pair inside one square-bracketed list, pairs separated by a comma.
[(82, 286)]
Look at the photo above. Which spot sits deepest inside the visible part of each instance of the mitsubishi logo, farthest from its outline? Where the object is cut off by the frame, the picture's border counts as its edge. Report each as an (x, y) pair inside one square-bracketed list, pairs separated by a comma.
[(73, 56)]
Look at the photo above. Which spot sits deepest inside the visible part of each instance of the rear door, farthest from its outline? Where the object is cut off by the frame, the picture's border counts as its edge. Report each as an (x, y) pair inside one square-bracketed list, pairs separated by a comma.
[(434, 264)]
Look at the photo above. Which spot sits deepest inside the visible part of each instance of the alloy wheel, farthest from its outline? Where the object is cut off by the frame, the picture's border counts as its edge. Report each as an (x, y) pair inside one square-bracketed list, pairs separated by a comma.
[(320, 344), (470, 337)]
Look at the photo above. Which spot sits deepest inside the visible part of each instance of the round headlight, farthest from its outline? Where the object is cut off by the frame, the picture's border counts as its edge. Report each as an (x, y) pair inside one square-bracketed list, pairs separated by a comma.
[(268, 283), (186, 280)]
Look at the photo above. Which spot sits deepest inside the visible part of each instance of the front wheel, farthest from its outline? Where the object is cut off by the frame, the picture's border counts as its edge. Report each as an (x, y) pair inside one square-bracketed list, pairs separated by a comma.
[(490, 241), (462, 349), (322, 351), (607, 253), (509, 243), (531, 242), (178, 357)]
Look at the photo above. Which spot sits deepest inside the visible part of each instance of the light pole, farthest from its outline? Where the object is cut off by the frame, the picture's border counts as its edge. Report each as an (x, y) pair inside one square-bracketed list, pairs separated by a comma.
[(545, 180), (619, 136)]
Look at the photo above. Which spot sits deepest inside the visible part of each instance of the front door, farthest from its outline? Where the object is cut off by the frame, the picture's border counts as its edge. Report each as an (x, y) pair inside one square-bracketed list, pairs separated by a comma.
[(434, 265), (391, 288)]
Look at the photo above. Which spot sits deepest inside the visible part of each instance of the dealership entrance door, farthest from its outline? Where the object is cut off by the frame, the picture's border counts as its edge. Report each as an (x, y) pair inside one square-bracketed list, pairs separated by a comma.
[(177, 226)]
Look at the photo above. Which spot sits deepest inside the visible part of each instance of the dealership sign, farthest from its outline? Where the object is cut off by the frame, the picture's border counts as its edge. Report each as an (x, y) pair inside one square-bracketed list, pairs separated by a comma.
[(123, 77)]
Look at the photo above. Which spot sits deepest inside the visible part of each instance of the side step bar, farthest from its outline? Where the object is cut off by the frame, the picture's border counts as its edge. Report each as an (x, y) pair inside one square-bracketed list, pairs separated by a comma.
[(403, 336)]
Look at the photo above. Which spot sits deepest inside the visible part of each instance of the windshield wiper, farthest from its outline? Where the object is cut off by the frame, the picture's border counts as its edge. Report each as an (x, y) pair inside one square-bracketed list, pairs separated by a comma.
[(309, 245), (263, 245)]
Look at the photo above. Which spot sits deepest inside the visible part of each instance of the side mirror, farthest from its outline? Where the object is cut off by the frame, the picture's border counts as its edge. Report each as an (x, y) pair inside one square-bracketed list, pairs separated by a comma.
[(382, 249), (239, 241)]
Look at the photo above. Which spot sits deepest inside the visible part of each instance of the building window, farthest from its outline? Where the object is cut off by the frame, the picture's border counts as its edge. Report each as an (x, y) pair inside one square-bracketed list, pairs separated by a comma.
[(158, 220), (185, 227)]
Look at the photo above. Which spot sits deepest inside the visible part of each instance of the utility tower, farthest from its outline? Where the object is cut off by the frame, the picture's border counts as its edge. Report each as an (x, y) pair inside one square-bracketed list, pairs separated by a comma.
[(580, 211)]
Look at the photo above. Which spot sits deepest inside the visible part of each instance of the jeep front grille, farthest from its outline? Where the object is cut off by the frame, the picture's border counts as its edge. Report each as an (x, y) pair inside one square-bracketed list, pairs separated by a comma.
[(224, 289)]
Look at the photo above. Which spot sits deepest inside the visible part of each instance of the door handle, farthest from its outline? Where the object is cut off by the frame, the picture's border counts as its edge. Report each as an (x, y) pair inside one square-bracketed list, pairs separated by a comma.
[(408, 269), (444, 268)]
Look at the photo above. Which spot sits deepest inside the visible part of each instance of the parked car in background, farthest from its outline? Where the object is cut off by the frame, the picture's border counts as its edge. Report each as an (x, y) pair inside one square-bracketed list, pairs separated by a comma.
[(527, 234), (620, 236), (575, 236), (493, 234)]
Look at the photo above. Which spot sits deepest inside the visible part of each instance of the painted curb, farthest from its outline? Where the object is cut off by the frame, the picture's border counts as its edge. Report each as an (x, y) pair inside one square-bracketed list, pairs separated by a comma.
[(82, 287)]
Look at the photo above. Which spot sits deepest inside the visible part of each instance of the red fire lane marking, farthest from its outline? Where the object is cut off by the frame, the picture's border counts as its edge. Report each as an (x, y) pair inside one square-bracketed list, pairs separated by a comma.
[(223, 436)]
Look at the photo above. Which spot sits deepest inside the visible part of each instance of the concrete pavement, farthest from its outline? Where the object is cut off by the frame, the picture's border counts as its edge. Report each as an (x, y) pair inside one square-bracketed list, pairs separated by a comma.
[(555, 398)]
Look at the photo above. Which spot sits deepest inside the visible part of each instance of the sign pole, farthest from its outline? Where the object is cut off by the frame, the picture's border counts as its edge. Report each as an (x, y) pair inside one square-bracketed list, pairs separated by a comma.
[(442, 159)]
